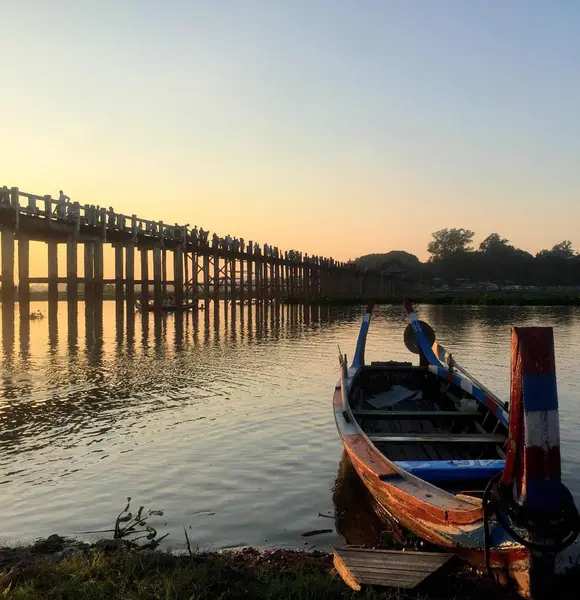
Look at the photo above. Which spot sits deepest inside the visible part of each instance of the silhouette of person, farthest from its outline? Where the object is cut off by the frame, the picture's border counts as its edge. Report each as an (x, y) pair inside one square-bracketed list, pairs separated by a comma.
[(4, 196), (61, 203)]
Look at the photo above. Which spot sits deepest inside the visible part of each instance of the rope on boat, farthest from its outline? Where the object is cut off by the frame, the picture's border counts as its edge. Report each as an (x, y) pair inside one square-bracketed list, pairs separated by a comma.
[(557, 529)]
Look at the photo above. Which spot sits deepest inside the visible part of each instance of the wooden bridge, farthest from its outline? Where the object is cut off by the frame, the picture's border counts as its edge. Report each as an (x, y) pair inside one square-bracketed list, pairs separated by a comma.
[(204, 269)]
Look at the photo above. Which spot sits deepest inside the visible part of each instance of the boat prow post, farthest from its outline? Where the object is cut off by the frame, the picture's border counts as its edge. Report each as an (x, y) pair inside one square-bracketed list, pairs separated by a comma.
[(358, 359), (530, 500)]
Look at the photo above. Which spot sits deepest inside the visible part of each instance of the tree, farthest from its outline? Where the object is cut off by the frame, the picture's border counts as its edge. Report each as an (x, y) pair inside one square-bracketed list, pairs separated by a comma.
[(446, 242), (494, 244), (405, 261), (562, 250)]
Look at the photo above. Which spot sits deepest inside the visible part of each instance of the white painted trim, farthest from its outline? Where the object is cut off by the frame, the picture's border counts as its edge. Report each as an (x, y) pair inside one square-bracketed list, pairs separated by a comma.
[(542, 428)]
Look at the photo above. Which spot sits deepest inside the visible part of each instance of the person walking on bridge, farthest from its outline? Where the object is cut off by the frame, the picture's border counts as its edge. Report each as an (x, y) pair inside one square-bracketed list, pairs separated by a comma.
[(61, 204), (4, 196)]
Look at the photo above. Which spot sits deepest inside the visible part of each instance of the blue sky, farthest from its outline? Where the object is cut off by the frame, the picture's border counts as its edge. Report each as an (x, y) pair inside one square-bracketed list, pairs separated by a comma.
[(334, 127)]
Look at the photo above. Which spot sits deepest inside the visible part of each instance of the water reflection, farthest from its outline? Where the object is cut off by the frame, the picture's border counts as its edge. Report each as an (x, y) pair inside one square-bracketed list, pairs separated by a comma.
[(357, 517), (221, 417)]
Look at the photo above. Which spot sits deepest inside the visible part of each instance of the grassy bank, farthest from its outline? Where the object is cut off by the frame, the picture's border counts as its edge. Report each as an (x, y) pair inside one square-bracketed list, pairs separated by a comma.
[(461, 298), (64, 570)]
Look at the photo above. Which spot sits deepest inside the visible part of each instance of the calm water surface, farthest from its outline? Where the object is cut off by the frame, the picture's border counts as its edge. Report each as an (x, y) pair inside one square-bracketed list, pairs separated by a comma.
[(222, 420)]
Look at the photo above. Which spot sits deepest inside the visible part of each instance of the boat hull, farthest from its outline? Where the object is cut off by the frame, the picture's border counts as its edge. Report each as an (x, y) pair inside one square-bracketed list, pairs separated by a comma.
[(460, 532)]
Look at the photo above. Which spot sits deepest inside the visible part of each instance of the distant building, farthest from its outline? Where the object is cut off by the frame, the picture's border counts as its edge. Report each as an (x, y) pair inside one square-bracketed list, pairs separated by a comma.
[(463, 283)]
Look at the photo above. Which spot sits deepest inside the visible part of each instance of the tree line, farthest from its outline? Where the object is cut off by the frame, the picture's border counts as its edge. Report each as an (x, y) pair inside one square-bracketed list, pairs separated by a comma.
[(495, 260)]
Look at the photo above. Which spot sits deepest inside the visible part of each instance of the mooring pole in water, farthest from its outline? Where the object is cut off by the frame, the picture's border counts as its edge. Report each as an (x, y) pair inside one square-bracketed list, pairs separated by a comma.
[(532, 471), (533, 458)]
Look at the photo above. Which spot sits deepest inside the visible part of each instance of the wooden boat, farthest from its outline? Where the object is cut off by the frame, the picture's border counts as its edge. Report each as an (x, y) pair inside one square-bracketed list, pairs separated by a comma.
[(167, 307), (445, 458)]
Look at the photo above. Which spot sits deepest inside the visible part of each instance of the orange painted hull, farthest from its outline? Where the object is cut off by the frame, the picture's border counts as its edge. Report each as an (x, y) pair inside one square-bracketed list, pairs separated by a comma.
[(432, 514)]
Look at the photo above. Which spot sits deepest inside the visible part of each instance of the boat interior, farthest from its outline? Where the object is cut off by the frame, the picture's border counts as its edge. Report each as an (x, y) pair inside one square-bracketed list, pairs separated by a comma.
[(428, 426)]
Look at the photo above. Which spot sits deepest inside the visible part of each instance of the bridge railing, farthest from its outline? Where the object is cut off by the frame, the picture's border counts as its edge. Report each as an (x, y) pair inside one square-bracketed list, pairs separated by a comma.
[(103, 219)]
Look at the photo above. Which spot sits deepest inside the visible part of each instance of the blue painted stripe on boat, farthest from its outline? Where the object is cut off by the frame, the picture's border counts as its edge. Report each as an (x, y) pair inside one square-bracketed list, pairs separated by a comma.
[(476, 392), (452, 470), (540, 392), (544, 494), (443, 372), (425, 346), (359, 353)]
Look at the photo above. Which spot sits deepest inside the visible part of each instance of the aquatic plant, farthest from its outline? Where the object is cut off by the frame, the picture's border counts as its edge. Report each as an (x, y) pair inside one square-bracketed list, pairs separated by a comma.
[(134, 527)]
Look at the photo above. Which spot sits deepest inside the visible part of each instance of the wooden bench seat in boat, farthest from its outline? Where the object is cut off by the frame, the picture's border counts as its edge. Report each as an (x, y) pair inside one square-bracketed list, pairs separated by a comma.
[(452, 470), (471, 438), (416, 414)]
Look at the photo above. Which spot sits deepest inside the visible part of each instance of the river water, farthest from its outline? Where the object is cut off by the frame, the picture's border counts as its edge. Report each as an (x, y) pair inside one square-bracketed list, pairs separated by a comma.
[(222, 420)]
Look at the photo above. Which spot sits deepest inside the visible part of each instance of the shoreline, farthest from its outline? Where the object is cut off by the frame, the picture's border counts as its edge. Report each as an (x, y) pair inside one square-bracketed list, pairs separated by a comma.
[(458, 299), (61, 568), (64, 568)]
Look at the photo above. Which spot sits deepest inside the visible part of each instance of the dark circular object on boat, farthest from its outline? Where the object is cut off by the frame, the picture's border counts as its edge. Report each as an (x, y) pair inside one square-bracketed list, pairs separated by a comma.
[(411, 339)]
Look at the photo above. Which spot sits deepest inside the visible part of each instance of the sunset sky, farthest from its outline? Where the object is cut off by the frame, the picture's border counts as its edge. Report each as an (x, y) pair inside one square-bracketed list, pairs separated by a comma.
[(329, 126)]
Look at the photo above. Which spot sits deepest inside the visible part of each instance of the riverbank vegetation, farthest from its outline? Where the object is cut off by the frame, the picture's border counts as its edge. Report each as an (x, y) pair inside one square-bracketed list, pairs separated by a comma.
[(130, 566), (59, 569), (453, 259), (467, 298)]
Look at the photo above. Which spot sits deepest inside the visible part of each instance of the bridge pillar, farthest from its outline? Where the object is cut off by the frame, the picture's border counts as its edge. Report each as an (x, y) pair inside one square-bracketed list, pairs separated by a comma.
[(272, 279), (119, 274), (189, 283), (7, 267), (269, 279), (130, 277), (233, 279), (72, 291), (178, 274), (216, 280), (250, 279), (258, 278), (277, 274), (98, 272), (89, 278), (291, 279), (157, 283), (23, 276), (144, 276), (164, 270), (242, 281), (225, 271), (206, 281), (52, 272), (265, 276)]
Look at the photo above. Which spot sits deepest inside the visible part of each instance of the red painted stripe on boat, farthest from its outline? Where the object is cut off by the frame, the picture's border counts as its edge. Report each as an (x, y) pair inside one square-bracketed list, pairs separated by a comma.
[(537, 350), (493, 407), (337, 399), (541, 463), (371, 465)]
